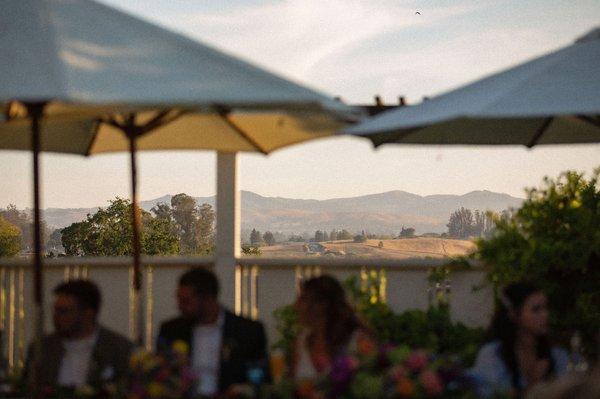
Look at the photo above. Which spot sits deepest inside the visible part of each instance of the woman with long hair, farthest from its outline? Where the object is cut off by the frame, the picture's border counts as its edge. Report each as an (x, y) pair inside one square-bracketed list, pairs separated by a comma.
[(329, 326), (520, 354)]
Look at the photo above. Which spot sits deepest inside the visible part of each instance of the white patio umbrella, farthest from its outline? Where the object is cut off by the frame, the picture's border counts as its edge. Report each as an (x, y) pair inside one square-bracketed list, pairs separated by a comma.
[(80, 77), (554, 99)]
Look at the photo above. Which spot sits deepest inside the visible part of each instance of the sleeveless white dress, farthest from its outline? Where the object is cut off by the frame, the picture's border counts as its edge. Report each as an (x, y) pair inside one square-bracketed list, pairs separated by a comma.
[(304, 366)]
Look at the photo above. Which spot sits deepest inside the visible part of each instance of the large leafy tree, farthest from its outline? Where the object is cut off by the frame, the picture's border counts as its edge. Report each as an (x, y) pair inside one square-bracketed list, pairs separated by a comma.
[(108, 232), (554, 241), (255, 237), (10, 238), (185, 214), (268, 238), (192, 224), (22, 220), (205, 229)]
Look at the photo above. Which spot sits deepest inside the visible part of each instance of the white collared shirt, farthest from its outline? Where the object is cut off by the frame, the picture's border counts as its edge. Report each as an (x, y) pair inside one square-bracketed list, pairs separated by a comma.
[(206, 356), (75, 363)]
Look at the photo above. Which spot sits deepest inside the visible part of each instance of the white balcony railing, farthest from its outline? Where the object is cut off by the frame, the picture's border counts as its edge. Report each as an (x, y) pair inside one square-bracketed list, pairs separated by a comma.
[(261, 285)]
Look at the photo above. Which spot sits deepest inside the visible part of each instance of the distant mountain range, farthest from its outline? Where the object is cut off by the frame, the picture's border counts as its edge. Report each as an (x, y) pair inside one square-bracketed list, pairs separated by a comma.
[(383, 213)]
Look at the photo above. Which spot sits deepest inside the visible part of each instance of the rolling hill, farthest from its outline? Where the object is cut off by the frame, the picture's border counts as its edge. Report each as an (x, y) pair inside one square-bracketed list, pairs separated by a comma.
[(383, 213)]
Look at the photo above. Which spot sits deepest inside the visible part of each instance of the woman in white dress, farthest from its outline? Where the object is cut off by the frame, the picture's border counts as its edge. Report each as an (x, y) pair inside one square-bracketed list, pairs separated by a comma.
[(520, 354), (329, 327)]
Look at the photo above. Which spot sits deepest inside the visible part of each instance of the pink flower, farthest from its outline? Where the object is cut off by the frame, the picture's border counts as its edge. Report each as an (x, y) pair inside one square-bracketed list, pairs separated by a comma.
[(416, 360), (353, 362), (398, 372), (431, 383), (162, 374)]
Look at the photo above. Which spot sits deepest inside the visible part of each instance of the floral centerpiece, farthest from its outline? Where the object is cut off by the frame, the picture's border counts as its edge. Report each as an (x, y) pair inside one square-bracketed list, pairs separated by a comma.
[(165, 375), (384, 372)]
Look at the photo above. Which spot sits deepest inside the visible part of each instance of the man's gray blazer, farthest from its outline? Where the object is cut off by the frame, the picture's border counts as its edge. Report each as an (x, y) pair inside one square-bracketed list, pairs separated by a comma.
[(109, 362)]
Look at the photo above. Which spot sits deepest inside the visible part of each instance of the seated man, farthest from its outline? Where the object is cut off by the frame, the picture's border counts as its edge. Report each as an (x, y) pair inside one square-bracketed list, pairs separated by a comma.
[(80, 351), (225, 349)]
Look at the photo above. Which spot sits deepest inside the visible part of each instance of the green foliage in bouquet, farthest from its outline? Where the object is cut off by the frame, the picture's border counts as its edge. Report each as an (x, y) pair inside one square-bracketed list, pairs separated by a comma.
[(431, 329), (286, 325), (553, 240)]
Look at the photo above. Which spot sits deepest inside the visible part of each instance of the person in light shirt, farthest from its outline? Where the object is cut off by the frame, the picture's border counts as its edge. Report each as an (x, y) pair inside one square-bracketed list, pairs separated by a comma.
[(225, 349), (80, 351)]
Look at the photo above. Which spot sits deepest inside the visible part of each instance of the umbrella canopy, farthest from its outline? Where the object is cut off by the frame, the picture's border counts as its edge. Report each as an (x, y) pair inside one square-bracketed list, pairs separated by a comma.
[(92, 63), (553, 99), (80, 77)]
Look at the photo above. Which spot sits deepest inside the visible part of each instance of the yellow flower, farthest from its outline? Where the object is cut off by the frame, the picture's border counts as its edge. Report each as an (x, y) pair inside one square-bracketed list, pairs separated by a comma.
[(151, 362), (137, 358), (575, 203), (156, 390), (181, 347), (85, 390)]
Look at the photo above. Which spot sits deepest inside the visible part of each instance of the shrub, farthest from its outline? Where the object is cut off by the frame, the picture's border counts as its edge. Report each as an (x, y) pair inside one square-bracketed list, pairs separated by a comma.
[(553, 240)]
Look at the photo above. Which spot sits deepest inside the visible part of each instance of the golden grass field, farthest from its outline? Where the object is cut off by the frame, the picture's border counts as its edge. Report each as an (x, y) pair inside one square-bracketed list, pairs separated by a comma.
[(418, 247)]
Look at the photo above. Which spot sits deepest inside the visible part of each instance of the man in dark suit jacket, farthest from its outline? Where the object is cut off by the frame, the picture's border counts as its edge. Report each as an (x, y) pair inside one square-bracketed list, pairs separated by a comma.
[(224, 349), (80, 351)]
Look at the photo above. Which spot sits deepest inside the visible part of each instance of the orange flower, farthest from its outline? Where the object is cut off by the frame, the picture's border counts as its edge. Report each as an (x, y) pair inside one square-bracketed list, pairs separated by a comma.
[(306, 389), (365, 346), (405, 387)]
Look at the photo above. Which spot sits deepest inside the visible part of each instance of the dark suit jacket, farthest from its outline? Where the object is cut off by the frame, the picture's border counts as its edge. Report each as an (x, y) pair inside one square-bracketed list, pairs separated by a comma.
[(110, 358), (244, 345)]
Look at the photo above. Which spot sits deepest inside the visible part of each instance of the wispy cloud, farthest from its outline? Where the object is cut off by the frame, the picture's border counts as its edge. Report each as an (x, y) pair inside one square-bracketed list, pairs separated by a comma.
[(294, 37)]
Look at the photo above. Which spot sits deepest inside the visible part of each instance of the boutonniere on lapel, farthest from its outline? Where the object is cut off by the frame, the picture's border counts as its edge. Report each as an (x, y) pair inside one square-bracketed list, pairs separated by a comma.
[(108, 374)]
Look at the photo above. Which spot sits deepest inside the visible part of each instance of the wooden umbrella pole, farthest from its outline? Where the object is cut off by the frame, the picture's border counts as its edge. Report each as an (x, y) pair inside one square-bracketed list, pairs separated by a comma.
[(138, 325), (35, 111)]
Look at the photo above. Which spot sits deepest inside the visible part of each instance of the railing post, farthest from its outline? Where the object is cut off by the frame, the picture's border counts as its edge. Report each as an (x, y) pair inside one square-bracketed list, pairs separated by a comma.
[(228, 225)]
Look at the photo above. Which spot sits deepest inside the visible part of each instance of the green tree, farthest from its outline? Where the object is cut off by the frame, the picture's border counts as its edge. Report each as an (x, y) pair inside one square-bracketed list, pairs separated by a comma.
[(333, 236), (360, 238), (268, 238), (319, 236), (108, 232), (204, 229), (159, 239), (24, 223), (296, 238), (76, 239), (193, 225), (255, 237), (407, 232), (185, 214), (344, 235), (554, 241), (54, 242), (10, 238), (461, 223)]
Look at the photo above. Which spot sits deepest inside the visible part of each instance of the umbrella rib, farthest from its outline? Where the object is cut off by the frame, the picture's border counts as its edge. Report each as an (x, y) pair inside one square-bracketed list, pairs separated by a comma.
[(224, 113), (538, 134), (93, 139), (160, 120), (590, 119)]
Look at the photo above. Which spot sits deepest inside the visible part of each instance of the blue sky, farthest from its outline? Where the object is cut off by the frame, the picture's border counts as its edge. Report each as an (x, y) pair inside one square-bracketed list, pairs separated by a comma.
[(355, 49)]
